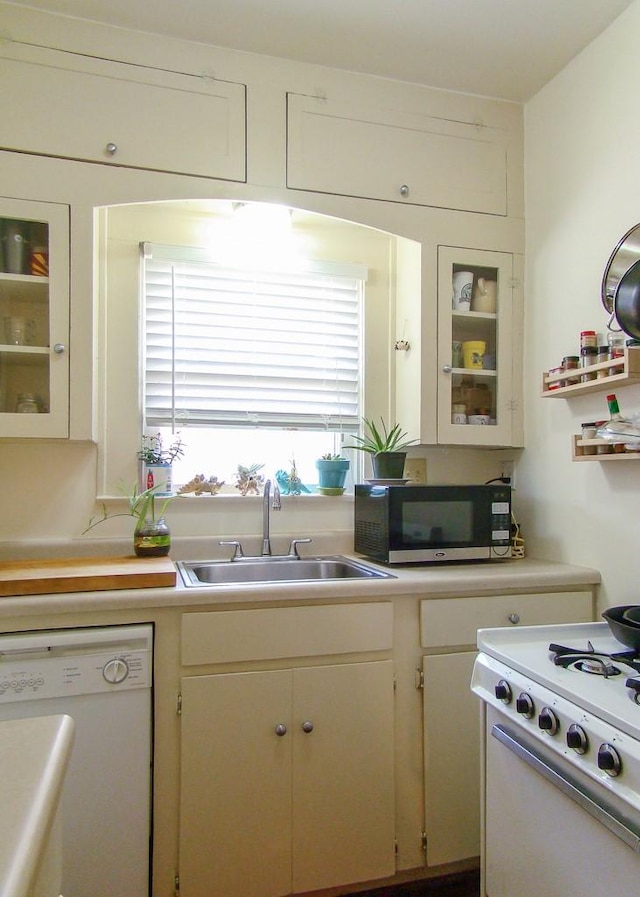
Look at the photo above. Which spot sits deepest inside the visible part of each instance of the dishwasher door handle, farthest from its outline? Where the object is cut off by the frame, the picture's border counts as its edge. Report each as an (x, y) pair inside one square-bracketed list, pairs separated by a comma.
[(579, 793)]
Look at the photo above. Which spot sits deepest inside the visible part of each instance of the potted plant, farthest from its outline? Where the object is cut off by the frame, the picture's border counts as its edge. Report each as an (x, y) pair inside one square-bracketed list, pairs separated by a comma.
[(387, 448), (151, 535), (157, 462), (332, 473)]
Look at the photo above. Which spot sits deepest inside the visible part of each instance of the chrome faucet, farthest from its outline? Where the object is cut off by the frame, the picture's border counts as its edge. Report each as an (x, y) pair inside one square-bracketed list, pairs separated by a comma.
[(267, 505)]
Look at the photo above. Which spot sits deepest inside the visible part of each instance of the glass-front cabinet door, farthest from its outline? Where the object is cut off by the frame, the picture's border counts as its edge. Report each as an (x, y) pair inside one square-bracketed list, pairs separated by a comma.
[(476, 336), (34, 319)]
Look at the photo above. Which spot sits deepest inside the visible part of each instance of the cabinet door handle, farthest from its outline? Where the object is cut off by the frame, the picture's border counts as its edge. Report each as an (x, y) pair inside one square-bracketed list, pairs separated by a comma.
[(404, 190), (307, 726), (111, 149), (59, 348), (514, 618), (447, 368), (281, 730)]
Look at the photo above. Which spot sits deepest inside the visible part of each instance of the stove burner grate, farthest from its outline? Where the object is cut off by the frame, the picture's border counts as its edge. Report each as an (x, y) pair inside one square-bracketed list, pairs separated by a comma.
[(595, 663)]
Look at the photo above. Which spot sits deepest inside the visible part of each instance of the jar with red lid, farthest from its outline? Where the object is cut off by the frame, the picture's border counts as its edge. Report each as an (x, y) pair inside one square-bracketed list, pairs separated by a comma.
[(588, 339)]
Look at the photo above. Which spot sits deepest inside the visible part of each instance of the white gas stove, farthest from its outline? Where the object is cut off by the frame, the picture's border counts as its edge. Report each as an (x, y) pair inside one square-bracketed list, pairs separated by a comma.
[(561, 776)]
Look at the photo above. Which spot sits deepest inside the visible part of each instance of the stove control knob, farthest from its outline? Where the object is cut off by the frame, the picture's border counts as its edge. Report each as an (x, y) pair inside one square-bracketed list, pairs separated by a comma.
[(525, 705), (502, 691), (548, 721), (609, 760), (577, 739)]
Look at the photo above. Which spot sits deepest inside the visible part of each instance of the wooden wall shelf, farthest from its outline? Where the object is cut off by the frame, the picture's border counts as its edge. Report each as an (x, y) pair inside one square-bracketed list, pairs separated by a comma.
[(578, 446), (627, 372)]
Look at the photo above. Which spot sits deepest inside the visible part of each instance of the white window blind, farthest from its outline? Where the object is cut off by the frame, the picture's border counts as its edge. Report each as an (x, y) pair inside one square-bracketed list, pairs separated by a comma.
[(226, 347)]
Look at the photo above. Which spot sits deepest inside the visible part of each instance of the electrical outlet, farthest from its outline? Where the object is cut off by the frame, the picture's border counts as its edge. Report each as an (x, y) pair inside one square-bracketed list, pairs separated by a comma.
[(415, 469), (508, 469)]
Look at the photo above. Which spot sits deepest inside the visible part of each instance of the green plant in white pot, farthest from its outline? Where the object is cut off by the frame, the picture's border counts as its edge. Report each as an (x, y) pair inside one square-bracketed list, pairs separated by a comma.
[(157, 462), (387, 447), (332, 473)]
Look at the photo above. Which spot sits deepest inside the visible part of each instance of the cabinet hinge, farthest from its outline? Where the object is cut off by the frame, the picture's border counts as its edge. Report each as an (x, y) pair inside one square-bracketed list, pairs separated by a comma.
[(176, 886), (395, 682), (423, 841), (419, 678), (179, 705), (395, 846)]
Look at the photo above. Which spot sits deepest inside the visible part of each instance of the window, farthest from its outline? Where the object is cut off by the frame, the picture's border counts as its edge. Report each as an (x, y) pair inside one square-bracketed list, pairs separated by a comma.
[(229, 350)]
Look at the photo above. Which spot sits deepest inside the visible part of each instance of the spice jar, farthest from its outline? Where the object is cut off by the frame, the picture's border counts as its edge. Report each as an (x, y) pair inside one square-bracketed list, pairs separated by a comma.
[(570, 363), (26, 403), (588, 356), (588, 339), (589, 432), (603, 355), (554, 372)]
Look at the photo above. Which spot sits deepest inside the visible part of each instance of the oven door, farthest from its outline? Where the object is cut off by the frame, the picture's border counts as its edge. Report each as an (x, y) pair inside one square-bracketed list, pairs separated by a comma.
[(546, 833)]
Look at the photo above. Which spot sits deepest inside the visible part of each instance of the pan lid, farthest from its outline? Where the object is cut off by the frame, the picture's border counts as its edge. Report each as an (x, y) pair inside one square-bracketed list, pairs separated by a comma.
[(626, 253)]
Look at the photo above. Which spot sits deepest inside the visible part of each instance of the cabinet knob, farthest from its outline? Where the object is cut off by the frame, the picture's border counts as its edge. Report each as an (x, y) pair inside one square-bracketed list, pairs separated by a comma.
[(404, 190), (307, 726), (514, 618), (111, 149), (59, 348), (447, 368), (281, 729)]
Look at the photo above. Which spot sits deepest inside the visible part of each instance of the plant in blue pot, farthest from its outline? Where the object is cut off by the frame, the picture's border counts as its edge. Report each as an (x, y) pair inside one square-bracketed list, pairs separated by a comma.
[(332, 473)]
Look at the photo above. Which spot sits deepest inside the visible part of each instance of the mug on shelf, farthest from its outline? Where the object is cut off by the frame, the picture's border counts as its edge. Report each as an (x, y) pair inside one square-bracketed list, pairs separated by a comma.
[(484, 296), (456, 354), (462, 286), (473, 353)]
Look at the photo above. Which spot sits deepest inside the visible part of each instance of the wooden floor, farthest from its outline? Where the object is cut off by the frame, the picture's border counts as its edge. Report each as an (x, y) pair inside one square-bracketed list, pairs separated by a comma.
[(466, 884)]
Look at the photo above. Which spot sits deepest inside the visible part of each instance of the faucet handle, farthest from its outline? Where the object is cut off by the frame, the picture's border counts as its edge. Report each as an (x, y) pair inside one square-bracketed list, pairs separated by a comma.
[(237, 548), (276, 503), (293, 548)]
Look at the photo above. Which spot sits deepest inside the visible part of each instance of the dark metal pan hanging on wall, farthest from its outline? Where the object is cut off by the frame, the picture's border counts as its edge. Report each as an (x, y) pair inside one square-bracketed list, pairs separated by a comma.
[(621, 259), (626, 303)]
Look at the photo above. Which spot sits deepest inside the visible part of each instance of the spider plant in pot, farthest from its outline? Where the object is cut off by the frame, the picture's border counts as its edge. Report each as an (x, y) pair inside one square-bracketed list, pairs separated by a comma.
[(332, 473), (151, 535), (386, 446)]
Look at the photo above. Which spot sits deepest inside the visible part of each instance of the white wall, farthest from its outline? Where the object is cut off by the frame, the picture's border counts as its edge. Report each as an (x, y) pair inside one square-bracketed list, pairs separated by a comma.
[(582, 169)]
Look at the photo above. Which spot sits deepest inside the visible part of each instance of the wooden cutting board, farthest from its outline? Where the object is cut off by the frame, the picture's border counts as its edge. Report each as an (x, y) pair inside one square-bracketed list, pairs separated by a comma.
[(40, 577)]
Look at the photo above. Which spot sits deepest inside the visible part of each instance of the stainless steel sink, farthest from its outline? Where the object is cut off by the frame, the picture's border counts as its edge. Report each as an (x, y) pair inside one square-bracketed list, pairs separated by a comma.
[(276, 569)]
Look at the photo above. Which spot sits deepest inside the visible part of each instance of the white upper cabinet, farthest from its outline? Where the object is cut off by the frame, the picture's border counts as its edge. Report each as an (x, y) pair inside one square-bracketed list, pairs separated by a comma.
[(95, 110), (479, 348), (419, 159), (461, 381), (34, 319)]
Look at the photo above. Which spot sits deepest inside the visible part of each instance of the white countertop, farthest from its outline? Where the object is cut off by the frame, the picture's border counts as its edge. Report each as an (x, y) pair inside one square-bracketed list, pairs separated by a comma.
[(33, 757), (436, 581)]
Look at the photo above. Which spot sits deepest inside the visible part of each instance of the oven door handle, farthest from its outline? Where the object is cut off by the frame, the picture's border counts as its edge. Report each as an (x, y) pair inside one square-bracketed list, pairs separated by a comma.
[(582, 795)]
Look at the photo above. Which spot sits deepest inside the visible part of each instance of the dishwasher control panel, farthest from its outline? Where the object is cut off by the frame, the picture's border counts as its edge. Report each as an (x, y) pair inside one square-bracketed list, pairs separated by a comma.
[(44, 665)]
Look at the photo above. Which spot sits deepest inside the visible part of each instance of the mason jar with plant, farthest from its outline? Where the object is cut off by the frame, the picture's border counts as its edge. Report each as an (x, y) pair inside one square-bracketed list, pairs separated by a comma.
[(332, 473), (151, 535), (387, 447)]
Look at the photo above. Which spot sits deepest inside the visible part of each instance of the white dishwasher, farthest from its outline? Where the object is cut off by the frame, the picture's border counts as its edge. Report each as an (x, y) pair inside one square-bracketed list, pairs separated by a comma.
[(102, 678)]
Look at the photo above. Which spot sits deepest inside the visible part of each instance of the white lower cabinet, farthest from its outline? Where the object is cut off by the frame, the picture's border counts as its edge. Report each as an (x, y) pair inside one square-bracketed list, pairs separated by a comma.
[(286, 780), (448, 628)]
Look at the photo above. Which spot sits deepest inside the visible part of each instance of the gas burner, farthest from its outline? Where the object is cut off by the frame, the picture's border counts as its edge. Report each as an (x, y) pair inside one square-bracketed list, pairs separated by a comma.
[(588, 660)]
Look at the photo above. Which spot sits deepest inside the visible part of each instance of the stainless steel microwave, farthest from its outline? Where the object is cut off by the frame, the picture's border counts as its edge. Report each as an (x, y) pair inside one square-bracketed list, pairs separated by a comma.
[(430, 524)]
